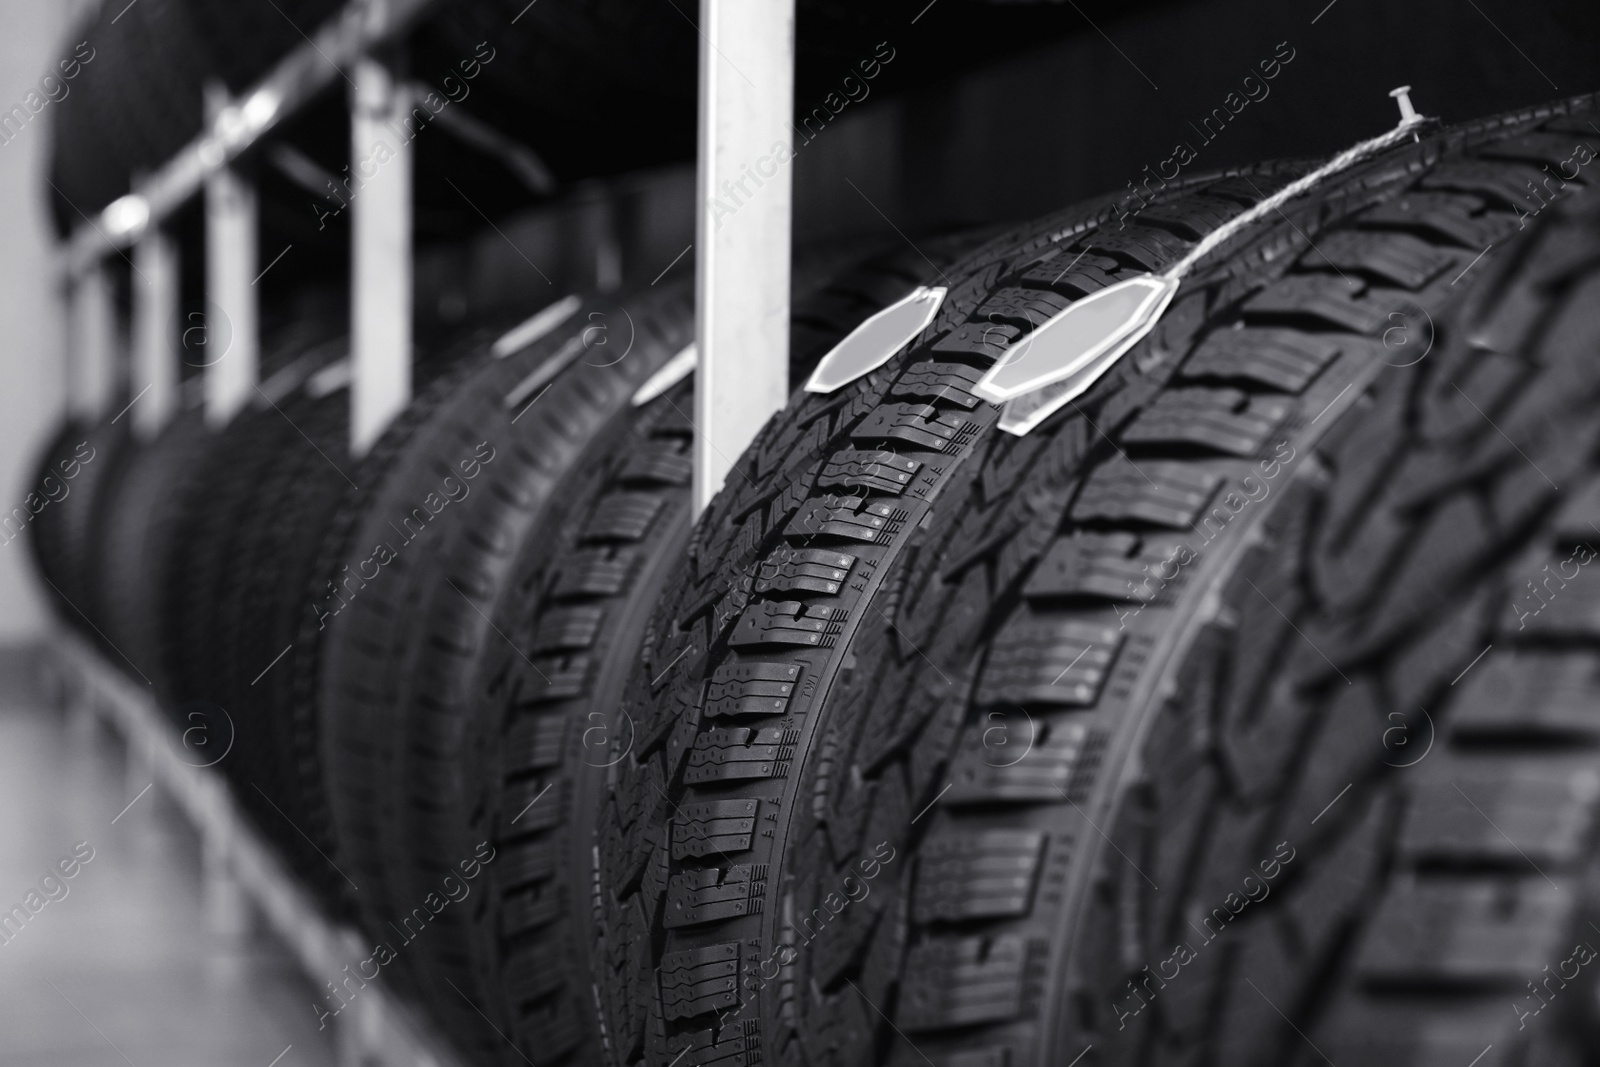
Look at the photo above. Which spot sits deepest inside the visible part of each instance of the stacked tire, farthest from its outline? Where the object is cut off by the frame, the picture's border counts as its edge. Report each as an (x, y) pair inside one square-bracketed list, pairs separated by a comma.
[(72, 471), (1240, 713), (395, 659), (464, 695)]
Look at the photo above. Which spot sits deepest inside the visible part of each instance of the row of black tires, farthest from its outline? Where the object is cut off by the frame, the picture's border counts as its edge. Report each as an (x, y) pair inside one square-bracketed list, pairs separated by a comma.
[(1247, 711)]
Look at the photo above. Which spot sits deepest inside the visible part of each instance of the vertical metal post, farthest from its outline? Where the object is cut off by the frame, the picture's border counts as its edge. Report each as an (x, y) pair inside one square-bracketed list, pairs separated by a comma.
[(92, 333), (380, 233), (599, 236), (154, 382), (232, 350), (742, 228)]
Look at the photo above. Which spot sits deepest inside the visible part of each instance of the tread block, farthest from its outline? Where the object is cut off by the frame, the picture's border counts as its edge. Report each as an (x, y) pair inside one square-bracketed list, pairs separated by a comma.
[(784, 503), (1223, 420), (524, 863), (1191, 216), (1249, 190), (1576, 120), (849, 517), (534, 971), (653, 879), (1050, 772), (714, 894), (638, 795), (1329, 299), (596, 572), (788, 622), (1507, 186), (624, 852), (811, 570), (1439, 215), (984, 874), (1026, 308), (713, 826), (1528, 693), (1505, 811), (1379, 1030), (751, 688), (1578, 517), (1246, 1016), (557, 1025), (954, 982), (950, 382), (737, 1045), (572, 627), (623, 516), (659, 467), (1342, 888), (1566, 615), (1166, 494), (529, 809), (884, 472), (993, 1056), (922, 425), (538, 906), (699, 980), (1139, 246), (1112, 566), (1397, 258), (1043, 659), (632, 990), (1280, 359), (534, 742), (1076, 275), (986, 341), (1537, 146), (1456, 931), (657, 717), (732, 753), (559, 678)]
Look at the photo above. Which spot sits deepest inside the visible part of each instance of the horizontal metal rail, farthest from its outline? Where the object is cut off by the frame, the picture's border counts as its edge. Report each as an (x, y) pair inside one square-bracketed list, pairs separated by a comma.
[(374, 1029), (307, 70)]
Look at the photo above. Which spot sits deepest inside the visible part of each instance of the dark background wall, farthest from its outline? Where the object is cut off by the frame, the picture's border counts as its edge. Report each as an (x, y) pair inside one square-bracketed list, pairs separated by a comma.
[(1076, 118)]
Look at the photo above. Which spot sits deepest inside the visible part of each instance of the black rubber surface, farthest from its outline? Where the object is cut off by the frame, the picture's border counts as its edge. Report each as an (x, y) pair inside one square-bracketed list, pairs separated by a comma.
[(1391, 688), (133, 537), (254, 522), (224, 509), (55, 515), (464, 475), (510, 700), (868, 816)]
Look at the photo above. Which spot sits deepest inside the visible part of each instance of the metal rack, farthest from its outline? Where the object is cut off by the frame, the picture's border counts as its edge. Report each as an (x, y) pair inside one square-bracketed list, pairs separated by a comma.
[(746, 92), (742, 313), (239, 871)]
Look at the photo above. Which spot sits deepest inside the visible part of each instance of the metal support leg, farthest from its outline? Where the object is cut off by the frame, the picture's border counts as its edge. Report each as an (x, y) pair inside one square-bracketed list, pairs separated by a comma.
[(226, 909), (155, 378), (91, 360), (232, 352), (742, 227), (77, 699), (380, 228), (596, 229)]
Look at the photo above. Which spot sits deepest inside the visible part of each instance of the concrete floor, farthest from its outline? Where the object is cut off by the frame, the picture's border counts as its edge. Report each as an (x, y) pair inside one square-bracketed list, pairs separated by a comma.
[(121, 971)]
